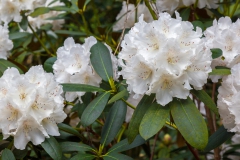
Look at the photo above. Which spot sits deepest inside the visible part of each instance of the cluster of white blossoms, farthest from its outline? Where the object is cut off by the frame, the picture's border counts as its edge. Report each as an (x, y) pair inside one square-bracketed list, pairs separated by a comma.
[(31, 106), (224, 35), (73, 65), (164, 57), (10, 9), (5, 43), (228, 100)]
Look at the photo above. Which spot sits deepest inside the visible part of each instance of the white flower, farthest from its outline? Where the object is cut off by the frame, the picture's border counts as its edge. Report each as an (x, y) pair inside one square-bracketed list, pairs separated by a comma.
[(165, 57), (31, 104), (5, 43), (10, 10)]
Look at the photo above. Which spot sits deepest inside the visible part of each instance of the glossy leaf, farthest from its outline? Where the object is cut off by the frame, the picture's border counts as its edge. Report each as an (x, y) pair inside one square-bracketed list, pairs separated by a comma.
[(68, 129), (206, 99), (153, 120), (94, 109), (67, 32), (7, 155), (116, 156), (101, 61), (198, 24), (190, 122), (216, 52), (51, 146), (71, 87), (218, 138), (83, 156), (24, 22), (17, 35), (74, 146), (114, 121), (221, 72), (185, 13), (118, 96), (4, 64), (133, 128), (39, 11), (61, 8), (49, 63)]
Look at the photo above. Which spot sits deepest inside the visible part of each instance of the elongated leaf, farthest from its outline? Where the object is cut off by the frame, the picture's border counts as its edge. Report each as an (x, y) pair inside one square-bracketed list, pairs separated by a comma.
[(60, 8), (116, 156), (83, 156), (190, 122), (101, 61), (73, 33), (17, 35), (114, 121), (198, 24), (49, 63), (218, 138), (40, 11), (71, 87), (24, 22), (118, 96), (4, 64), (206, 99), (221, 72), (185, 13), (124, 145), (7, 155), (153, 120), (68, 129), (133, 128), (74, 146), (94, 109), (216, 52), (51, 146)]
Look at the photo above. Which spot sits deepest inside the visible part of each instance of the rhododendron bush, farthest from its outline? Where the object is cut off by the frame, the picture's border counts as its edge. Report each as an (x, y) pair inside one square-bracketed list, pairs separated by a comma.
[(119, 80)]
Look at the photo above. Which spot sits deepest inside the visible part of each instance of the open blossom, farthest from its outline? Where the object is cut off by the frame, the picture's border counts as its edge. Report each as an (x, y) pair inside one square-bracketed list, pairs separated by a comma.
[(31, 106), (164, 57), (224, 35), (228, 100), (5, 43)]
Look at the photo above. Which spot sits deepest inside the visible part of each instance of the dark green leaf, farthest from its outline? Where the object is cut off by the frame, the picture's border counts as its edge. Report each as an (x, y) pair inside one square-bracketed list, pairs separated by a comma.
[(221, 72), (198, 24), (218, 138), (190, 122), (216, 52), (24, 23), (83, 156), (73, 33), (118, 96), (153, 120), (39, 11), (4, 64), (124, 145), (49, 63), (101, 61), (51, 146), (206, 99), (71, 87), (133, 128), (116, 156), (74, 146), (114, 121), (185, 13), (94, 109), (17, 35), (68, 129), (60, 8), (20, 154), (7, 155)]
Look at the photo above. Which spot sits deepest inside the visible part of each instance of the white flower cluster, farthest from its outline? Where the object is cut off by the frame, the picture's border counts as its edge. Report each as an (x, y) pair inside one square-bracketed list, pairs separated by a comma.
[(73, 65), (31, 106), (228, 100), (224, 35), (37, 22), (5, 43), (10, 9), (164, 57), (171, 6)]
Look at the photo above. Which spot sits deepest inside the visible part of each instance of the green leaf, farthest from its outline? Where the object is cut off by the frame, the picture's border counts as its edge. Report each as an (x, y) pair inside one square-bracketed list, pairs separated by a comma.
[(24, 23), (73, 33), (198, 24), (20, 154), (185, 13), (51, 146), (4, 64), (133, 128), (71, 87), (61, 8), (7, 155), (153, 120), (221, 72), (49, 63), (218, 138), (216, 52), (17, 35), (83, 156), (114, 121), (68, 129), (116, 156), (39, 11), (124, 145), (190, 122), (118, 96), (94, 109), (74, 146), (101, 61), (206, 99)]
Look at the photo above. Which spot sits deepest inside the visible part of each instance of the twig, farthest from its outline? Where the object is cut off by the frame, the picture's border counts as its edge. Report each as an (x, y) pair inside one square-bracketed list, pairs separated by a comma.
[(193, 151), (154, 144)]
